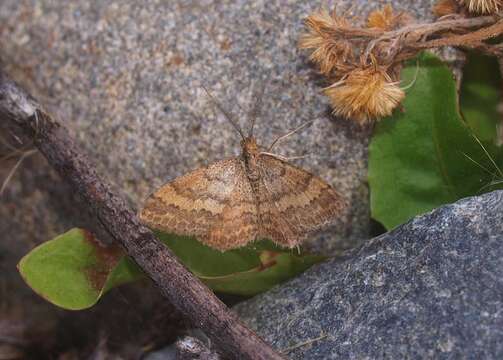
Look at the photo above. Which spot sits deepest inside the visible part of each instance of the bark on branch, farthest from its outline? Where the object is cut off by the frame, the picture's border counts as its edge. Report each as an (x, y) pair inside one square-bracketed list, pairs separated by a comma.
[(178, 285)]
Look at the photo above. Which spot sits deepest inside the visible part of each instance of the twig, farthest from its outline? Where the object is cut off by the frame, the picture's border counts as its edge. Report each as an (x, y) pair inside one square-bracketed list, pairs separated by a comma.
[(178, 285), (422, 29), (13, 170), (303, 343), (414, 36), (466, 39)]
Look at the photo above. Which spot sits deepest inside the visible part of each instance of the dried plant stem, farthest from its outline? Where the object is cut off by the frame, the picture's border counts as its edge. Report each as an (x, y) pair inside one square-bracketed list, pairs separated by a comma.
[(175, 282), (14, 169), (303, 343), (491, 50), (414, 36), (419, 30), (363, 64), (446, 24), (474, 37), (8, 146)]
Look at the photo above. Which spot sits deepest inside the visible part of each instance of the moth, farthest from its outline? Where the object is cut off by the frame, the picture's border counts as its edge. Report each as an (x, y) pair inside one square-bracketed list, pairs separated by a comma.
[(257, 195)]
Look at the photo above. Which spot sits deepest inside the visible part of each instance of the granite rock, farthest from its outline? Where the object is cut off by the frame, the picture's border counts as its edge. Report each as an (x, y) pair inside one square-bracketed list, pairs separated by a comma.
[(429, 289), (189, 347), (126, 77)]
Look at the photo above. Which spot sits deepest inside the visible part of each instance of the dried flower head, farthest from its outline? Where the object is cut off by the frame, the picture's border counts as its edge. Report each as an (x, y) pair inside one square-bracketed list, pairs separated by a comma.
[(383, 19), (329, 51), (446, 7), (483, 6), (365, 94), (363, 63)]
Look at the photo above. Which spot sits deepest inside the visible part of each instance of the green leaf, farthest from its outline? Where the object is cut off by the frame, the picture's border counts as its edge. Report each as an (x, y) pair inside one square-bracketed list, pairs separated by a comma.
[(424, 155), (277, 269), (203, 260), (73, 271), (480, 95), (245, 271)]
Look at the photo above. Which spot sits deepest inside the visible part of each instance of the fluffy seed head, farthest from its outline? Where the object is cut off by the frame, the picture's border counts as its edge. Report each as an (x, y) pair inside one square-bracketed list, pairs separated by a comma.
[(483, 6), (365, 95), (386, 19), (383, 19), (328, 50)]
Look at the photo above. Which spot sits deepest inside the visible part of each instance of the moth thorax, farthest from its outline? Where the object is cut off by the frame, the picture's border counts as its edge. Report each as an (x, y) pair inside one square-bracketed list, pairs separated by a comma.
[(250, 146), (250, 156)]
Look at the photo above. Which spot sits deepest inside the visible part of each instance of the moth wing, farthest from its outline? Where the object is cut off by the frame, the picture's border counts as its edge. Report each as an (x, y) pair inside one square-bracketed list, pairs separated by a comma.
[(294, 203), (214, 203)]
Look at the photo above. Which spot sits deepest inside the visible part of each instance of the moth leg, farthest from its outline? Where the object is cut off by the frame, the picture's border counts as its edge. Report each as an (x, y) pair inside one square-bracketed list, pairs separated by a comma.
[(288, 134), (285, 158)]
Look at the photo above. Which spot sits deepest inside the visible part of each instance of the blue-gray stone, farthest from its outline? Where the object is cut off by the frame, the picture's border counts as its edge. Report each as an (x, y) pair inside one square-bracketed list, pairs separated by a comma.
[(431, 288)]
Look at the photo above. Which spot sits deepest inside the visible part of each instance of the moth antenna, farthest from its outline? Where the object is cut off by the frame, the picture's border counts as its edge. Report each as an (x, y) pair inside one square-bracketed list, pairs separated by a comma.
[(227, 114), (257, 106), (290, 133)]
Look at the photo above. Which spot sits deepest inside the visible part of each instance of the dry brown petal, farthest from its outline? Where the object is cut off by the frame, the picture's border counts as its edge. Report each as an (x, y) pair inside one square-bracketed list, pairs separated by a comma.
[(482, 6), (323, 21), (365, 95), (383, 19), (446, 7), (386, 19)]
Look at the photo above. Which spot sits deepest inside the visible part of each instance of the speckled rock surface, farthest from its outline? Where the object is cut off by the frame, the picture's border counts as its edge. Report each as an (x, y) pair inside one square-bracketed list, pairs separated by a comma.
[(430, 289), (126, 76)]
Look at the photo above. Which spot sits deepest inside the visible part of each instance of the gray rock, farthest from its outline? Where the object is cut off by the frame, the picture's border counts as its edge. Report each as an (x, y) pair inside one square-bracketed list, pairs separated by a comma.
[(190, 348), (430, 289), (126, 76), (196, 347), (166, 353)]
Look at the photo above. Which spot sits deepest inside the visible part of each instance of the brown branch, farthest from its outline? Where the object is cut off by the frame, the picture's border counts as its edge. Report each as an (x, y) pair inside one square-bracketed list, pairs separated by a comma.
[(418, 29), (178, 285), (446, 24), (474, 37), (486, 49), (413, 37)]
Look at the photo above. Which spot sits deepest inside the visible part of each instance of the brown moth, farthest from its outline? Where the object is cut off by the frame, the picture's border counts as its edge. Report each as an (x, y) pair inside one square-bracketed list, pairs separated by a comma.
[(257, 195)]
